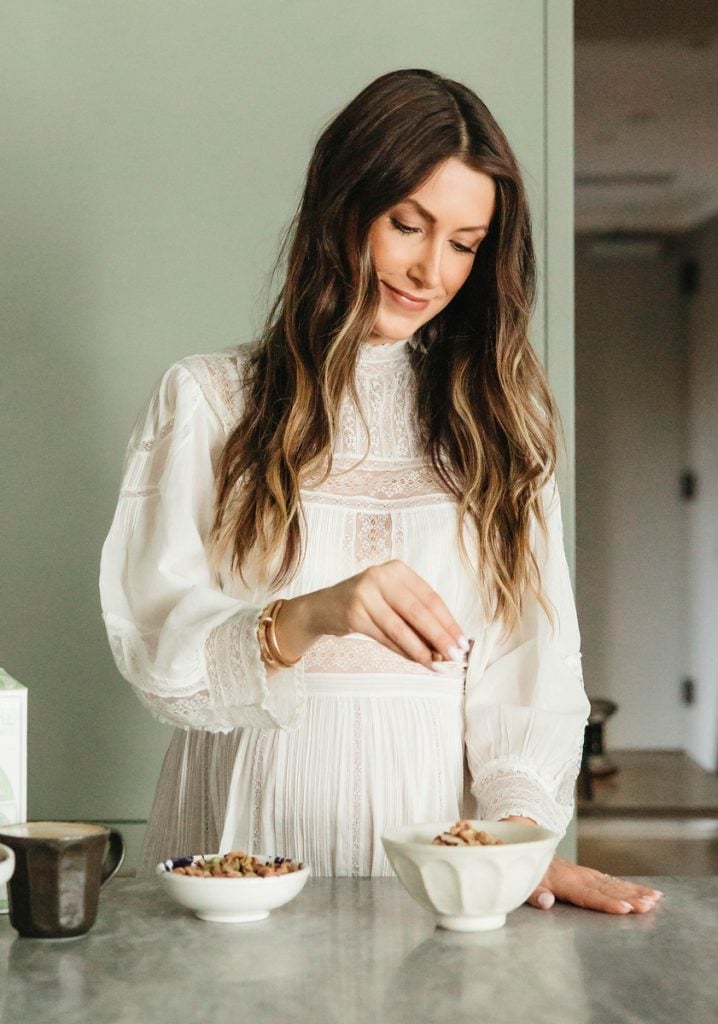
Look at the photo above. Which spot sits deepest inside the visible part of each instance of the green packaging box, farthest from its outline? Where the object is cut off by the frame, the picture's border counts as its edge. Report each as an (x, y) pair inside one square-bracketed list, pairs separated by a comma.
[(13, 757)]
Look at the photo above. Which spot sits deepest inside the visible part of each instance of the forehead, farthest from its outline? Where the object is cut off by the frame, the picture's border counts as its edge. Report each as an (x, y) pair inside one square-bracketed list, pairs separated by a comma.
[(455, 192)]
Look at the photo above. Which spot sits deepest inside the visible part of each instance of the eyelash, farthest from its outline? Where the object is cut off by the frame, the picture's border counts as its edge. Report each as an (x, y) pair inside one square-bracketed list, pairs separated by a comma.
[(405, 229)]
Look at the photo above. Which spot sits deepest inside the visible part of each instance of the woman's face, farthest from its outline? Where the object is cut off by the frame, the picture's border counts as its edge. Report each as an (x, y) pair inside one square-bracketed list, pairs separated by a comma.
[(423, 248)]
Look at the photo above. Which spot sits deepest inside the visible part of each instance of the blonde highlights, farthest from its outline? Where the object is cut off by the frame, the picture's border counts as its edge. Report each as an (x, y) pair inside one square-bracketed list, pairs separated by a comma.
[(484, 409)]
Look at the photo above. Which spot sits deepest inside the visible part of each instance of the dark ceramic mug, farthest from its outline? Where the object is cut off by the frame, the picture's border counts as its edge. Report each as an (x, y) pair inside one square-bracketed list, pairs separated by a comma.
[(59, 868)]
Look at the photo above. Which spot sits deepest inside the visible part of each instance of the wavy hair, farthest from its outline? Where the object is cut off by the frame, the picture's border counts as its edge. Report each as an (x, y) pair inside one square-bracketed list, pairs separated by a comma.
[(486, 415)]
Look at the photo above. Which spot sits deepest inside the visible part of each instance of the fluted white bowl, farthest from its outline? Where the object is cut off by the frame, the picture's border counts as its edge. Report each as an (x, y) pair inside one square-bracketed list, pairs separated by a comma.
[(231, 900), (470, 888)]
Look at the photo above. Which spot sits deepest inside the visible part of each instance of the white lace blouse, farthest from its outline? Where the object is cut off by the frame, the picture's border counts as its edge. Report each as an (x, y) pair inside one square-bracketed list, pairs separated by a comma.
[(316, 761)]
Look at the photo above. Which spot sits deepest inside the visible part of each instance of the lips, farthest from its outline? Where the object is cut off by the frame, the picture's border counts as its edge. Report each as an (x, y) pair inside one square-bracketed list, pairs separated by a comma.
[(405, 299)]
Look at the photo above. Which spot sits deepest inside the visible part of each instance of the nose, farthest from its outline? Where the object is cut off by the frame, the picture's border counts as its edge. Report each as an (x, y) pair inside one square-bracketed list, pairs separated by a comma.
[(425, 270)]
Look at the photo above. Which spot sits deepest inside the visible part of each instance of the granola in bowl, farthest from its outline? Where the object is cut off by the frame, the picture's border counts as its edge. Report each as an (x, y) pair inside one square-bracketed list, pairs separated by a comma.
[(236, 864)]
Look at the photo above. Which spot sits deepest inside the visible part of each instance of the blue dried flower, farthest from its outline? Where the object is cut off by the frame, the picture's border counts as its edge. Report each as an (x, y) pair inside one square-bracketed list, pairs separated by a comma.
[(179, 862)]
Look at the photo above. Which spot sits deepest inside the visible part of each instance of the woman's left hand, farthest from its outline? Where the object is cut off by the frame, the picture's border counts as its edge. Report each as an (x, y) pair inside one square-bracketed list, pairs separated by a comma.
[(591, 889)]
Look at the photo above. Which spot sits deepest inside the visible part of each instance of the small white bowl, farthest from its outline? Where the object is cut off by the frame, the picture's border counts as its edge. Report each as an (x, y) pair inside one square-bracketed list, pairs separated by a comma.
[(7, 863), (232, 900), (470, 888)]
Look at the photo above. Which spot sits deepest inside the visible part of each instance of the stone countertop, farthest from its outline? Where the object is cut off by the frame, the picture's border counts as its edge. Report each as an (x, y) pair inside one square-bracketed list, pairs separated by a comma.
[(360, 950)]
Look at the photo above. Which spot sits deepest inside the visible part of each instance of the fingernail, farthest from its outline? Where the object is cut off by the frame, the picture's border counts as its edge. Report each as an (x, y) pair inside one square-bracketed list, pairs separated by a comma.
[(546, 900), (626, 906), (443, 668), (657, 893), (463, 643), (648, 900), (455, 653)]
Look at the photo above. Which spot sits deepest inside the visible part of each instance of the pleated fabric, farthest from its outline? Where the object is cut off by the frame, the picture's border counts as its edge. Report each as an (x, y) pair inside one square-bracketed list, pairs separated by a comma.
[(315, 762)]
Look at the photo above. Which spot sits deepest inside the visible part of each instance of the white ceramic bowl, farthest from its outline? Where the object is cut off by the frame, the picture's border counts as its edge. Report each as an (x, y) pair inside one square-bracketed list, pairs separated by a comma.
[(231, 900), (7, 863), (470, 888)]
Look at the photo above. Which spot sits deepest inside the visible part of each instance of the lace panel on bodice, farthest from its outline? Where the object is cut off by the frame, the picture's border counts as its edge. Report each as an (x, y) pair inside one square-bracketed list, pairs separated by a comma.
[(361, 656), (220, 377), (386, 388), (375, 478)]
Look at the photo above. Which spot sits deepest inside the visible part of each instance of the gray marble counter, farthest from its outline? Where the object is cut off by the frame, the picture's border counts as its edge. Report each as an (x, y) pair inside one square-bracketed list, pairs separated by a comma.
[(350, 951)]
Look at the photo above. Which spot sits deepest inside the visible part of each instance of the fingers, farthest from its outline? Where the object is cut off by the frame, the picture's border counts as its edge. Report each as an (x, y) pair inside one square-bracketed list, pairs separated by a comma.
[(374, 630), (542, 898), (393, 605), (414, 603), (633, 898), (594, 890), (596, 899), (395, 633), (611, 895), (368, 613), (376, 619)]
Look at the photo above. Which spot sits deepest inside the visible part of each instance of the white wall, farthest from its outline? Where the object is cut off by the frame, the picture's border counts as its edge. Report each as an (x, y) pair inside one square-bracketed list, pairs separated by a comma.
[(702, 457), (152, 153), (630, 521)]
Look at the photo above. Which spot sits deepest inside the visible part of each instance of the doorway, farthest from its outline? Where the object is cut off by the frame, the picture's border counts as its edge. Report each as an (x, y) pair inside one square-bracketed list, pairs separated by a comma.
[(647, 399)]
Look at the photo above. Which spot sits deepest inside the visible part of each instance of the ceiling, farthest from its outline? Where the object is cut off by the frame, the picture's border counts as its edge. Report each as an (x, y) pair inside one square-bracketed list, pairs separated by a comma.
[(646, 105)]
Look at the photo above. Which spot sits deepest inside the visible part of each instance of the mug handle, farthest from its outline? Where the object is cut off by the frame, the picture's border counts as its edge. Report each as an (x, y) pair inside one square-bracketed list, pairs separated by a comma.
[(114, 856)]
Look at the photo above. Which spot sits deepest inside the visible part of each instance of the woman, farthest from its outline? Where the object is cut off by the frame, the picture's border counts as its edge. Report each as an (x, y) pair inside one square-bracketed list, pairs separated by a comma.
[(312, 531)]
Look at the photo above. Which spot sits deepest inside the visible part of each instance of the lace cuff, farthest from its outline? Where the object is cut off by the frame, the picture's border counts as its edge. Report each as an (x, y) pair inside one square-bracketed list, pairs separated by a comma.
[(504, 789), (237, 677)]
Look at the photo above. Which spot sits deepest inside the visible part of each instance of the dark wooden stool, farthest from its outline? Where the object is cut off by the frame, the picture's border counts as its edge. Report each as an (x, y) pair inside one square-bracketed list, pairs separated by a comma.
[(594, 762)]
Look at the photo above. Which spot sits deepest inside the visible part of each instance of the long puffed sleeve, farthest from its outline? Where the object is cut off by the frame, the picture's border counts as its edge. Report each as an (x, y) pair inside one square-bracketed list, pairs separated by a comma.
[(525, 707), (189, 648)]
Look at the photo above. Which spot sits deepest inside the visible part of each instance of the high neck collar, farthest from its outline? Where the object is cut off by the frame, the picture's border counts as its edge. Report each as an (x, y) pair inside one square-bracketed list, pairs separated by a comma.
[(387, 352)]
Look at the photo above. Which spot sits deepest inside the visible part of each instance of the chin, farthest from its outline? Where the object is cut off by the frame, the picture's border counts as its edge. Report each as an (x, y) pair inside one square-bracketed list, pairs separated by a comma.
[(397, 328)]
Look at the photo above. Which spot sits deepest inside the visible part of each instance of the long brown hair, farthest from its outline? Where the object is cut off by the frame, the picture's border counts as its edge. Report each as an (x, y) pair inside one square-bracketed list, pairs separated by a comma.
[(484, 408)]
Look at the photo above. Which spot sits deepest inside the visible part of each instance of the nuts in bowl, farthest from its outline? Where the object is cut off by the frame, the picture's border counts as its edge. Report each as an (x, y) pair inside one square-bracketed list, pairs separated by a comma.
[(233, 888), (473, 883), (463, 834)]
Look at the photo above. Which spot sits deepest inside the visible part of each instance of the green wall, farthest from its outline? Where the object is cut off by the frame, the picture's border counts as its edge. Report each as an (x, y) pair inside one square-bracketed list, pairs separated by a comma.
[(153, 152)]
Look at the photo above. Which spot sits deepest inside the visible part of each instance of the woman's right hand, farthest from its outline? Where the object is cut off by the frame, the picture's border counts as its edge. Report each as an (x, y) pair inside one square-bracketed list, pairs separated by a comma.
[(389, 603)]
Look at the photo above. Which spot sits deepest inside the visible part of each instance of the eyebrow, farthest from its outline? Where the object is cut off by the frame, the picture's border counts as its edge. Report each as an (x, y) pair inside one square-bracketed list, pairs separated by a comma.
[(427, 215)]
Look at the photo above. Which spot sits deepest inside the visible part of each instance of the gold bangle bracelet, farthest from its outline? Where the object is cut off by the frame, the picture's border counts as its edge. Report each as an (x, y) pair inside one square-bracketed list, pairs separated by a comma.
[(268, 639), (267, 656), (272, 638)]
